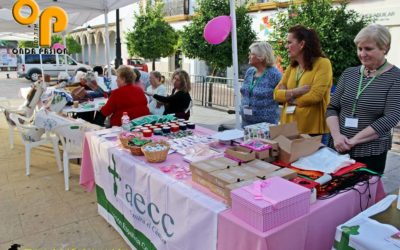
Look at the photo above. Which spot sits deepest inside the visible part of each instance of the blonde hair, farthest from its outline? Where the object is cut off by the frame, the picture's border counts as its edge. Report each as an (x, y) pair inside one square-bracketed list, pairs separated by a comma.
[(126, 73), (377, 33), (264, 52), (184, 80)]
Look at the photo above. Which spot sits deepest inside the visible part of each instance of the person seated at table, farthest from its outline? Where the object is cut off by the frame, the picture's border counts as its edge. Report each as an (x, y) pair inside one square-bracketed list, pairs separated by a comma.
[(156, 107), (128, 97), (366, 104), (179, 101), (138, 81)]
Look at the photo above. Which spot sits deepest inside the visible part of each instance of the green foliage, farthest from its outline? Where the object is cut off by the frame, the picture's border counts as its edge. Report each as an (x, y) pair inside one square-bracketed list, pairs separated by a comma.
[(26, 44), (336, 26), (218, 56), (72, 45), (151, 37), (4, 43)]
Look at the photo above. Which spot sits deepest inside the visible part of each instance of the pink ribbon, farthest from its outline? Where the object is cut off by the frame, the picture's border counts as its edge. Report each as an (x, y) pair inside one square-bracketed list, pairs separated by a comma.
[(256, 191), (179, 171)]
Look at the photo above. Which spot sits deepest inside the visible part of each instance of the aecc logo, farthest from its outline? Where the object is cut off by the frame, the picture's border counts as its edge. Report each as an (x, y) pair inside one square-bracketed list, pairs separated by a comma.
[(45, 19)]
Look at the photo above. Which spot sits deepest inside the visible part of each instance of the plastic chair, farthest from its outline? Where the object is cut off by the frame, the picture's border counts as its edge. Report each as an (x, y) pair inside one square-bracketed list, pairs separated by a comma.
[(72, 136), (33, 136), (26, 110)]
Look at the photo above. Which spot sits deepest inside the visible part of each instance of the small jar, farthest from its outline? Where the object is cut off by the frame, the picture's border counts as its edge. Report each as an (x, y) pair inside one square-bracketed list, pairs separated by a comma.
[(174, 128), (166, 130), (191, 125), (157, 131), (147, 133)]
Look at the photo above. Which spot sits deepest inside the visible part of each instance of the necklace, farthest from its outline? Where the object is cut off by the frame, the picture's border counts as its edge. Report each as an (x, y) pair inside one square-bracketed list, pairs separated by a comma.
[(372, 71)]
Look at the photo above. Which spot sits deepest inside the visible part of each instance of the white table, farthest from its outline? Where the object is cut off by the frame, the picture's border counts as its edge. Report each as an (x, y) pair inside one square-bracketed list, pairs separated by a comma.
[(88, 106)]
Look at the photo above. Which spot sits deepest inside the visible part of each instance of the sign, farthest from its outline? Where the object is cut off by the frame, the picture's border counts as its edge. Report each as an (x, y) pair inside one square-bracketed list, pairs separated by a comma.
[(384, 16), (150, 209), (46, 25)]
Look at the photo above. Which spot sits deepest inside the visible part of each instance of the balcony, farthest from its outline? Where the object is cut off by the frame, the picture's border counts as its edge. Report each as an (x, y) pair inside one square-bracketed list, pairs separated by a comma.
[(176, 8)]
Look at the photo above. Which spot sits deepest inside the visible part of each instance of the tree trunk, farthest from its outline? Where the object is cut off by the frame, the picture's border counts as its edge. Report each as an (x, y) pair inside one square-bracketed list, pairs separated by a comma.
[(153, 66), (210, 87)]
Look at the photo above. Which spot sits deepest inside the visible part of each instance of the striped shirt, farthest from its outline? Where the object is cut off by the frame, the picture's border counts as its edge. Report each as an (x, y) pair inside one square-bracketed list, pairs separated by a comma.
[(378, 106)]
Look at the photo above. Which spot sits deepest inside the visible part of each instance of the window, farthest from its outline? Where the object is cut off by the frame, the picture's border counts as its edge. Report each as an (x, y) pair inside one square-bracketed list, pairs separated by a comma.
[(32, 59), (49, 59)]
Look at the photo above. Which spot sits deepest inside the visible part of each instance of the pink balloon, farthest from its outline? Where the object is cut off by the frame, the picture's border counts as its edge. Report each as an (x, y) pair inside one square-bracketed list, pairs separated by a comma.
[(58, 46), (217, 29)]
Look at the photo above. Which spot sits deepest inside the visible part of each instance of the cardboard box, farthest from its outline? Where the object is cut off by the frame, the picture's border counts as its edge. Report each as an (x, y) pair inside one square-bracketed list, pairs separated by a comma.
[(293, 145), (228, 176), (262, 168), (223, 192), (285, 173), (240, 153), (275, 147), (261, 154), (203, 168)]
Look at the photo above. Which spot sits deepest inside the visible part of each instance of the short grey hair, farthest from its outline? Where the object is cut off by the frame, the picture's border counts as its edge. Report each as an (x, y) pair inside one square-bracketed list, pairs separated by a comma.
[(264, 52), (377, 33)]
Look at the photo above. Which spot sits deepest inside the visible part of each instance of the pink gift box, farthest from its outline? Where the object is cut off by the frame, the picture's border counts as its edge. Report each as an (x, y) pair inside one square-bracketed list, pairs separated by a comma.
[(270, 203)]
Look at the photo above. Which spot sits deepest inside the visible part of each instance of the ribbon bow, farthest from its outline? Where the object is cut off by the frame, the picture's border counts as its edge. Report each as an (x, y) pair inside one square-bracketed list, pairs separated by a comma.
[(256, 191)]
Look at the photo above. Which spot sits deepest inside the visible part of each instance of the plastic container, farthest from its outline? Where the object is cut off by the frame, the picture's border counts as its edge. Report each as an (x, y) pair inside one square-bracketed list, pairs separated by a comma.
[(125, 121)]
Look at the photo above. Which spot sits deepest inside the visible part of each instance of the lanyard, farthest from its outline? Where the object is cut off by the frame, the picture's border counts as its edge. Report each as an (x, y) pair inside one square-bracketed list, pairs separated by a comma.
[(255, 82), (299, 74), (361, 89)]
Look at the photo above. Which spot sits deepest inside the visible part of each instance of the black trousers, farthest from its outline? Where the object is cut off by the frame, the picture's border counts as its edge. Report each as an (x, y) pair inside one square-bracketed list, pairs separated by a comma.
[(376, 163)]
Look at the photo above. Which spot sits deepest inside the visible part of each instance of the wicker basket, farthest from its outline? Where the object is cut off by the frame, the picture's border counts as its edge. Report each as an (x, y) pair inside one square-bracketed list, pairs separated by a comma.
[(125, 139), (157, 156), (135, 150)]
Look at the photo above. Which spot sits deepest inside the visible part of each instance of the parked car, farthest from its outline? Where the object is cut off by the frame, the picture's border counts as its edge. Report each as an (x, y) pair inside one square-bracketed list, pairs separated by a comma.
[(138, 63), (28, 65)]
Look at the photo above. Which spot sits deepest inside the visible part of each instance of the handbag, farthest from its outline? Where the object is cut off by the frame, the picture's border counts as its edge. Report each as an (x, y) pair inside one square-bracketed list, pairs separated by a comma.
[(78, 93)]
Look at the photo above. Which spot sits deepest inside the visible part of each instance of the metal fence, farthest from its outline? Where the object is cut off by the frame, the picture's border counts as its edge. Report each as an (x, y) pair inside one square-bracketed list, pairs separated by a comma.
[(209, 91)]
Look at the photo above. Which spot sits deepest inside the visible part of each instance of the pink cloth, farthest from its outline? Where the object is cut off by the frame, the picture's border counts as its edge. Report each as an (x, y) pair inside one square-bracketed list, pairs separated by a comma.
[(314, 231), (87, 174)]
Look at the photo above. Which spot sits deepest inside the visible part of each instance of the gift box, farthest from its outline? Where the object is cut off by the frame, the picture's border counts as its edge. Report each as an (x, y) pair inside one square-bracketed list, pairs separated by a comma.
[(270, 203)]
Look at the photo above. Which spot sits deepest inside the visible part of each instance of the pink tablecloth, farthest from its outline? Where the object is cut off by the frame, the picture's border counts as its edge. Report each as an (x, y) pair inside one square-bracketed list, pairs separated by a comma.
[(314, 231)]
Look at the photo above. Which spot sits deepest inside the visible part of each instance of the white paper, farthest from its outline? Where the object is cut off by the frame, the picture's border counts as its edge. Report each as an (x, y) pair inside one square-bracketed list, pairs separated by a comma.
[(290, 109), (228, 135), (248, 111), (101, 84), (351, 123), (113, 84)]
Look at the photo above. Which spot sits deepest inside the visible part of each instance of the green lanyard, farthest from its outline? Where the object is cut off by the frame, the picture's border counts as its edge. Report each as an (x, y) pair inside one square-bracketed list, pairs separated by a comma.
[(254, 83), (299, 74), (361, 89)]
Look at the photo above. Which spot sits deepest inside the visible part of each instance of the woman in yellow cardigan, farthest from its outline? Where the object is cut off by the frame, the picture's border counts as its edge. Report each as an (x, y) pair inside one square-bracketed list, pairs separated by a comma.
[(305, 86)]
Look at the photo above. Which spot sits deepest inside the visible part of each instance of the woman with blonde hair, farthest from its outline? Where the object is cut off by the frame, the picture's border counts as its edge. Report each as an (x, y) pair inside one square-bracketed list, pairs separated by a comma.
[(179, 101), (366, 103), (128, 97), (258, 104)]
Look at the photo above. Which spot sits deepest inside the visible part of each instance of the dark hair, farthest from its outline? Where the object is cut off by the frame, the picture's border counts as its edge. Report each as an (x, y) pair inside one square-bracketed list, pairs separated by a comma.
[(137, 73), (312, 45), (98, 69)]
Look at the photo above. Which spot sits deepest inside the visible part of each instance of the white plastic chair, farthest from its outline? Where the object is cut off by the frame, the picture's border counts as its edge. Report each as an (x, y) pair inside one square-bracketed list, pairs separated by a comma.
[(33, 136), (71, 136), (26, 110)]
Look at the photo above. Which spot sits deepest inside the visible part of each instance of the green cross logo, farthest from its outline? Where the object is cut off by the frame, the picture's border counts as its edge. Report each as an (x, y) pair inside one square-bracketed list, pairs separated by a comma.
[(115, 175)]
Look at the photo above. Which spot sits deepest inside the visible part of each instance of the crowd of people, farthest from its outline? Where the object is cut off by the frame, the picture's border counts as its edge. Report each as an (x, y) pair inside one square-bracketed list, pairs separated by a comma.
[(357, 119)]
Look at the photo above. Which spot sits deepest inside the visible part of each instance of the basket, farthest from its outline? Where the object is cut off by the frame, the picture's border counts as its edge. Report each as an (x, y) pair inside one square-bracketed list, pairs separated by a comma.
[(156, 156), (135, 150), (125, 137)]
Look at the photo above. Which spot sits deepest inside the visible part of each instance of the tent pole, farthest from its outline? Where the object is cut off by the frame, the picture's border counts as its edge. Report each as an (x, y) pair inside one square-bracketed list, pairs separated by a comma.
[(235, 65), (65, 55), (107, 44)]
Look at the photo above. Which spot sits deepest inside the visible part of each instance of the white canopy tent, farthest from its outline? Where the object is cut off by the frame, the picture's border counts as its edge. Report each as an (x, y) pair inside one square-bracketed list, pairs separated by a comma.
[(80, 12)]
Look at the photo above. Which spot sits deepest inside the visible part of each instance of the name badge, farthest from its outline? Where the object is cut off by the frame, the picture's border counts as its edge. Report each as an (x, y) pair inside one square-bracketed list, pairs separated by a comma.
[(351, 123), (290, 109), (247, 111)]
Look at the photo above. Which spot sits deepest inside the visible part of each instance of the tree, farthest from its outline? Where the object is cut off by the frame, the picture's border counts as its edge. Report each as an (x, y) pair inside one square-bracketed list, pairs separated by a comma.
[(72, 45), (151, 37), (336, 26), (218, 56)]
